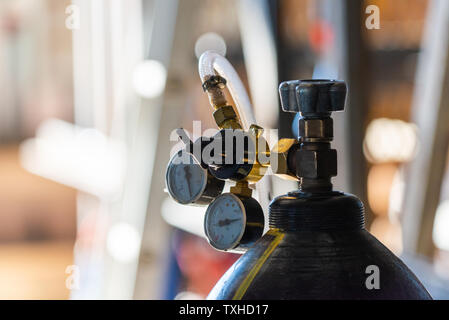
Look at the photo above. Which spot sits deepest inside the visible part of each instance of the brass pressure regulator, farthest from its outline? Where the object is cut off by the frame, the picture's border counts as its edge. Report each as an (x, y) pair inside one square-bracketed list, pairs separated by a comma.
[(234, 221)]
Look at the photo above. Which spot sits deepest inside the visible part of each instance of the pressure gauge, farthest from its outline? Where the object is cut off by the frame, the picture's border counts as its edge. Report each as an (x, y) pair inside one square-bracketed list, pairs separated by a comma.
[(233, 223), (188, 183)]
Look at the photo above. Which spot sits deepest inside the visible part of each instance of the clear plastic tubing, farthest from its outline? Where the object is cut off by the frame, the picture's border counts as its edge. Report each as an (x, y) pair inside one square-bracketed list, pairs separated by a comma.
[(212, 63)]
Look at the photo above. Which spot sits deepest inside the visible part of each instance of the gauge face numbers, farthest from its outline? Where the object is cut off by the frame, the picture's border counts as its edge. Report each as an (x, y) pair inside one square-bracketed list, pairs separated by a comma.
[(225, 221), (186, 180)]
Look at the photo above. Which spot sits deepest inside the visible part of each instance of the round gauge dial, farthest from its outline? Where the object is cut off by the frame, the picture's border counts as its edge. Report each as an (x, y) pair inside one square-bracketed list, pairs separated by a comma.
[(186, 180), (225, 221)]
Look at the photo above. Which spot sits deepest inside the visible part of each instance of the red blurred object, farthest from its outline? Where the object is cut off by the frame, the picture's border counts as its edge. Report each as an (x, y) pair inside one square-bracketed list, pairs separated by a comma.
[(201, 265), (10, 22), (321, 36)]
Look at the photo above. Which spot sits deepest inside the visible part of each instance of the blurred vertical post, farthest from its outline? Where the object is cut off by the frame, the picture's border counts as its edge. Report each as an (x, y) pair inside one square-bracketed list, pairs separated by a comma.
[(357, 75), (155, 20), (285, 119), (110, 67), (259, 51), (348, 60), (151, 268), (103, 60), (430, 112)]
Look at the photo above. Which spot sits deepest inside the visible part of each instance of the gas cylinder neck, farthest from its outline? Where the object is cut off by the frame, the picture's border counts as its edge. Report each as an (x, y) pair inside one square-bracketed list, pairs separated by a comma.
[(304, 211)]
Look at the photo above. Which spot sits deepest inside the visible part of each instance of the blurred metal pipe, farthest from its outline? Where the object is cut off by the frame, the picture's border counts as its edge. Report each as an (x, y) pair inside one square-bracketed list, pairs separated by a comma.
[(106, 99), (137, 207), (284, 118), (356, 73), (259, 51), (348, 60), (430, 112), (82, 80), (181, 69)]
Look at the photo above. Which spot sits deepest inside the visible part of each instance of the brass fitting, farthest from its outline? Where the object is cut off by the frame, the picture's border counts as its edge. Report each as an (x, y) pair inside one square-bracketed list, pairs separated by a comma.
[(224, 114), (279, 159), (226, 118), (241, 188), (261, 164), (256, 130), (214, 86)]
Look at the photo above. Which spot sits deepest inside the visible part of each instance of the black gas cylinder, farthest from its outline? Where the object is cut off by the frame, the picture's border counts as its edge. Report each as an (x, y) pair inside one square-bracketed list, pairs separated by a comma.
[(317, 246)]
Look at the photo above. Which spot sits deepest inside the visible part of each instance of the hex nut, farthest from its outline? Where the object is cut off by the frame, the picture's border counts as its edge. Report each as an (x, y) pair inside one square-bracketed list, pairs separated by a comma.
[(314, 164), (316, 128), (221, 115)]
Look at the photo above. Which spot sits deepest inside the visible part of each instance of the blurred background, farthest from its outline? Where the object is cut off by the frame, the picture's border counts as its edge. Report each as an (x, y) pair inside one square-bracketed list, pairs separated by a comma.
[(90, 91)]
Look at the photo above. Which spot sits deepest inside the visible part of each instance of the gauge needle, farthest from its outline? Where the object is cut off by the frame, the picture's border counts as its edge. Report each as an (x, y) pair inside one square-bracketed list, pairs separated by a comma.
[(188, 176), (226, 222)]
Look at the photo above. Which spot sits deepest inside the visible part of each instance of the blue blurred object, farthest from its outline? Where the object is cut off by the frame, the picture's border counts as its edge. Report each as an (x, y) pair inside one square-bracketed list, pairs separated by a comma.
[(173, 276), (295, 128)]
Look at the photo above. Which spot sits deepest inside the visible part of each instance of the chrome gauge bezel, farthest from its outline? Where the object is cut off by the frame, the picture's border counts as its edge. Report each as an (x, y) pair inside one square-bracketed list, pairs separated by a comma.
[(209, 215), (171, 167)]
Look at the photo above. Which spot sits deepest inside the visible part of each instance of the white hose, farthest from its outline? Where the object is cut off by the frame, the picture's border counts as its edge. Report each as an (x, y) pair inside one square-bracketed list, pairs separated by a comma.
[(212, 63)]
